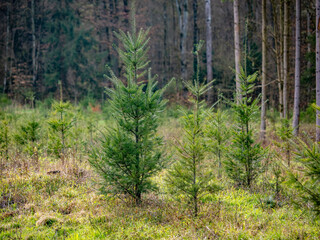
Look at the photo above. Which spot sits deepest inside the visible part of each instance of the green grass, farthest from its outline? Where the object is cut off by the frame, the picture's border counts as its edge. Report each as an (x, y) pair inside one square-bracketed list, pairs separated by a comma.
[(52, 207), (68, 205)]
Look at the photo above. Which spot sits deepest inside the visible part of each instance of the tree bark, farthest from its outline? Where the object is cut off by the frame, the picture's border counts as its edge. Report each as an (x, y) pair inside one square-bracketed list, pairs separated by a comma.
[(281, 60), (209, 45), (296, 109), (126, 12), (308, 35), (34, 73), (264, 73), (285, 60), (237, 45), (195, 33), (183, 15), (277, 32), (6, 51), (318, 67), (165, 39)]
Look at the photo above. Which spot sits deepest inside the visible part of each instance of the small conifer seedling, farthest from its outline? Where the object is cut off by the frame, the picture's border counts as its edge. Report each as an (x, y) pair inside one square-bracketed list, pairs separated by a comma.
[(307, 177), (4, 139), (244, 156), (218, 134), (27, 136), (60, 124), (285, 133), (190, 175)]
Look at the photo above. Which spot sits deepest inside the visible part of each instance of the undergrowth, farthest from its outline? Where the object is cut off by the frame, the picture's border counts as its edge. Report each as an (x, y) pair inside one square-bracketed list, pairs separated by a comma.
[(50, 200)]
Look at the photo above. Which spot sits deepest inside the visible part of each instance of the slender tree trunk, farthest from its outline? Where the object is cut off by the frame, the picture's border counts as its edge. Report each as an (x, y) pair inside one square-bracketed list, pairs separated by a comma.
[(281, 59), (165, 39), (318, 67), (280, 79), (264, 73), (308, 35), (126, 12), (237, 45), (113, 11), (6, 51), (34, 74), (195, 33), (277, 31), (11, 56), (183, 25), (280, 85), (209, 46), (184, 39), (285, 60), (296, 109)]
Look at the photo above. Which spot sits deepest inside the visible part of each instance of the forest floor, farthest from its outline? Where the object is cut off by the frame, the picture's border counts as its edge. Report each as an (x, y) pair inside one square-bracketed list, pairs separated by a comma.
[(62, 206), (38, 203)]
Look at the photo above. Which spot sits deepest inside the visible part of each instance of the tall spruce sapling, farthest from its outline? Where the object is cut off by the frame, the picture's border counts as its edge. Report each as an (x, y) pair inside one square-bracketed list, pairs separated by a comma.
[(131, 152), (59, 127), (243, 163), (190, 175)]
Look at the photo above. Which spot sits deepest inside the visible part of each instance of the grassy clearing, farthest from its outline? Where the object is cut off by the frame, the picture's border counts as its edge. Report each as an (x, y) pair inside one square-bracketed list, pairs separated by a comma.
[(37, 203)]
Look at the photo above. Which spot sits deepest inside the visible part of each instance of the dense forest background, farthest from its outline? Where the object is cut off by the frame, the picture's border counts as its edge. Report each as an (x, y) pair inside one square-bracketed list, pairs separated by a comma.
[(45, 43)]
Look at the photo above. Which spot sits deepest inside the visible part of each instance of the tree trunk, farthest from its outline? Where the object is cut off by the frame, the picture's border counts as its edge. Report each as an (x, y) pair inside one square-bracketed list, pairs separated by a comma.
[(6, 51), (183, 26), (126, 12), (237, 45), (285, 60), (209, 45), (165, 40), (34, 74), (195, 33), (277, 31), (296, 109), (318, 67), (308, 35), (281, 59), (264, 73)]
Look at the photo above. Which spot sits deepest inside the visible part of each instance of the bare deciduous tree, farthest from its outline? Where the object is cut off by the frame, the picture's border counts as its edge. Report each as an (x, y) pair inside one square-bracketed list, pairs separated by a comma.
[(33, 47), (296, 109), (183, 14), (7, 48), (264, 73), (318, 66), (285, 60), (237, 43), (209, 45)]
